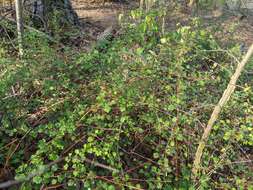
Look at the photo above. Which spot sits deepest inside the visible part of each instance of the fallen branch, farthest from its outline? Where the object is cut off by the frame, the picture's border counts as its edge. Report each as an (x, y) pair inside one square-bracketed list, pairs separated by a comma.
[(30, 176), (50, 38), (225, 97), (29, 28), (45, 168), (105, 34), (100, 165)]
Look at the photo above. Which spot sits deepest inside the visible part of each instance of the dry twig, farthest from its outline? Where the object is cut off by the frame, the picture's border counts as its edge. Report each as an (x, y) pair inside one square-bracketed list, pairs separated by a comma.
[(215, 114)]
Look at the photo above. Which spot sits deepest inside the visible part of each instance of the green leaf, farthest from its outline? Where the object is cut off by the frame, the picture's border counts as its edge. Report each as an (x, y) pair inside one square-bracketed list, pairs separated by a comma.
[(37, 179), (107, 108)]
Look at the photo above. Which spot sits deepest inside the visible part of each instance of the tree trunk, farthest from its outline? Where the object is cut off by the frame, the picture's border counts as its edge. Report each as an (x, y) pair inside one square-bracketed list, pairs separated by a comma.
[(20, 28), (193, 5), (142, 4), (64, 6)]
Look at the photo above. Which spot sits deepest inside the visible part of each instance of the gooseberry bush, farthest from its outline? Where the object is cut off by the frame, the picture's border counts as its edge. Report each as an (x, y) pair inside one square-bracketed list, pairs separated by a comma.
[(128, 115)]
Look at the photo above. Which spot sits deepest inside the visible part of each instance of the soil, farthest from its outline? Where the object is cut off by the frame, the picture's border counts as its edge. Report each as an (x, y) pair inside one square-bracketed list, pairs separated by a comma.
[(102, 15), (95, 17)]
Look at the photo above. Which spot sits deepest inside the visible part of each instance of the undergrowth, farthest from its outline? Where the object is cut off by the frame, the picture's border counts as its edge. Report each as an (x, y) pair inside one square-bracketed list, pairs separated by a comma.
[(136, 107)]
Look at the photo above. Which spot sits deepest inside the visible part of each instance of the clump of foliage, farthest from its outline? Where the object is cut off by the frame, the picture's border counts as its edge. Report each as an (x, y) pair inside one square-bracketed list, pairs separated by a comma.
[(135, 107)]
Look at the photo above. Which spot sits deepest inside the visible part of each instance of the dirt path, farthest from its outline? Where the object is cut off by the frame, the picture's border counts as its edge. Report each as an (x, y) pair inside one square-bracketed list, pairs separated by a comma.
[(103, 15), (97, 13), (96, 17)]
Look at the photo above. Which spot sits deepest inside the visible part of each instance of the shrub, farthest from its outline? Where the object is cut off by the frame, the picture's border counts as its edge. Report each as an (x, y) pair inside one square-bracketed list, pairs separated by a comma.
[(136, 107)]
